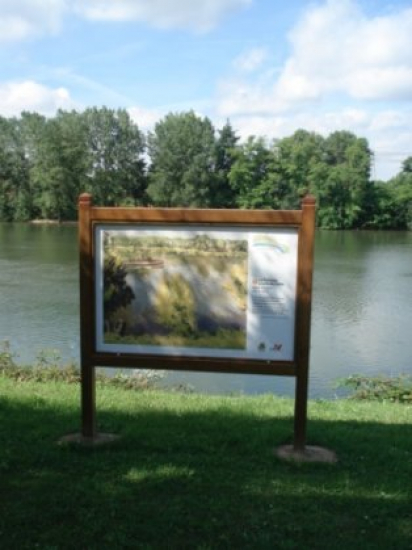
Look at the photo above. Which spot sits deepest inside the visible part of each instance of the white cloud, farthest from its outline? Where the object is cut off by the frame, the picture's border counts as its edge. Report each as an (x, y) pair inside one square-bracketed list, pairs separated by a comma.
[(144, 118), (278, 126), (335, 50), (390, 136), (381, 83), (250, 60), (345, 70), (28, 95), (390, 119), (21, 19), (198, 15)]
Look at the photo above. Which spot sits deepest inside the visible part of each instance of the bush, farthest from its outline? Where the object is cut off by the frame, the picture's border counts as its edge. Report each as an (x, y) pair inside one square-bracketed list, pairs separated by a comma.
[(380, 388)]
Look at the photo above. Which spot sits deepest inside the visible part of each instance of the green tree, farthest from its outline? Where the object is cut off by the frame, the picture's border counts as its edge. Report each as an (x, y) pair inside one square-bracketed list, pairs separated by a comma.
[(8, 180), (302, 162), (15, 197), (182, 154), (344, 190), (407, 166), (225, 151), (46, 163), (251, 173), (58, 173), (115, 165), (32, 129), (399, 191), (257, 177), (385, 213)]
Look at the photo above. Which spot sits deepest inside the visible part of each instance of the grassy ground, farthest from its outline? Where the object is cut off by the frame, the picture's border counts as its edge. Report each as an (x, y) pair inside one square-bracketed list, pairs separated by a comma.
[(199, 472)]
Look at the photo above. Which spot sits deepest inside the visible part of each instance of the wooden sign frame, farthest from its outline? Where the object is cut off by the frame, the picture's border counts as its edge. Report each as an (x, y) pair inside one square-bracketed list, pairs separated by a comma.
[(91, 217)]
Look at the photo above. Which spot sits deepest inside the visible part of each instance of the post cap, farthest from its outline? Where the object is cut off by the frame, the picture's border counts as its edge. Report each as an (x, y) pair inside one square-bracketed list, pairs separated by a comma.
[(85, 198), (309, 200)]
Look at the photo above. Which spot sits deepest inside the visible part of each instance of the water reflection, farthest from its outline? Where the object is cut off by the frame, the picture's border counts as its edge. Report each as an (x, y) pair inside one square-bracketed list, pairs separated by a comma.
[(361, 309), (39, 305)]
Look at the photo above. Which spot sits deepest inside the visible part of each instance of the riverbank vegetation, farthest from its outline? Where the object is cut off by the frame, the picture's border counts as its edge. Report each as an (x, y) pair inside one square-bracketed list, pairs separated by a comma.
[(196, 471), (397, 389), (49, 368), (45, 163)]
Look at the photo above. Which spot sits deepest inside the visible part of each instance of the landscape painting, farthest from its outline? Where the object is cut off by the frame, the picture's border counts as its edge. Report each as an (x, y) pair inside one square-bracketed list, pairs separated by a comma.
[(185, 289)]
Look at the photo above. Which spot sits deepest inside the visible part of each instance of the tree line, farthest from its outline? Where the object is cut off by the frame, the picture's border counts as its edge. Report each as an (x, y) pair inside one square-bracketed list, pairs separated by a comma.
[(45, 163)]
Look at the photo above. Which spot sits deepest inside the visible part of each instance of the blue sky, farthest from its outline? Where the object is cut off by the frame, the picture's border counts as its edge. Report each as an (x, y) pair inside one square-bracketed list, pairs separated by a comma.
[(268, 66)]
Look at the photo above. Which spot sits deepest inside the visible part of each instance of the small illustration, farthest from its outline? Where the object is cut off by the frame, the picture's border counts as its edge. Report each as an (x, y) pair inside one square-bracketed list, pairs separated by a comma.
[(268, 241)]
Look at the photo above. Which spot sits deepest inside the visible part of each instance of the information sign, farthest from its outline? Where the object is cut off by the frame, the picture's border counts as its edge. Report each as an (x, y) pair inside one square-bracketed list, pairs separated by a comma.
[(201, 290)]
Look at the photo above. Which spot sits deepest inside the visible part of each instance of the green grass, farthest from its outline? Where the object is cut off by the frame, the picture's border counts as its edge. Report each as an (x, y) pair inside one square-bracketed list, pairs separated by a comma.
[(199, 472)]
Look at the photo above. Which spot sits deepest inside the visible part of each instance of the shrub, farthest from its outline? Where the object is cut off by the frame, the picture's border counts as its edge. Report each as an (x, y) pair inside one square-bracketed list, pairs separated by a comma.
[(380, 388)]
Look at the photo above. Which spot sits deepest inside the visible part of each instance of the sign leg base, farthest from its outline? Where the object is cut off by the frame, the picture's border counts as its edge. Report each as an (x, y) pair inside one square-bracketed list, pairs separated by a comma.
[(310, 453), (96, 441)]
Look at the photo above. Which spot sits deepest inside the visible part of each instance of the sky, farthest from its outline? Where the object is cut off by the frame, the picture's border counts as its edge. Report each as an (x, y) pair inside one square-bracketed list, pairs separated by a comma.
[(269, 66)]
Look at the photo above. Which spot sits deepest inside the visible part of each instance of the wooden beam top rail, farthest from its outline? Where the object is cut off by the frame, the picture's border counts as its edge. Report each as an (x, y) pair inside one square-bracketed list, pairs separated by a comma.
[(196, 216)]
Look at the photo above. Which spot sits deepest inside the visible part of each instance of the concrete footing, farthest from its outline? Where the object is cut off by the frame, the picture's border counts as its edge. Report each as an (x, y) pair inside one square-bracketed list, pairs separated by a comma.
[(309, 454), (98, 440)]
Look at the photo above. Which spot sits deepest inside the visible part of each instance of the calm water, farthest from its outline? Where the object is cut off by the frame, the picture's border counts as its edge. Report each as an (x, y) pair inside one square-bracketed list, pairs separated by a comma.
[(361, 320)]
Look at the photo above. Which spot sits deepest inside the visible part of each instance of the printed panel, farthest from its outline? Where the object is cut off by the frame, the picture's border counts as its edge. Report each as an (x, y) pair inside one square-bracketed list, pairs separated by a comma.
[(227, 292)]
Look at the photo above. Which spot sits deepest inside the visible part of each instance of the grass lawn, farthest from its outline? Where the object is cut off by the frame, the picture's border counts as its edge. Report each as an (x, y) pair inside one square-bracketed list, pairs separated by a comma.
[(199, 472)]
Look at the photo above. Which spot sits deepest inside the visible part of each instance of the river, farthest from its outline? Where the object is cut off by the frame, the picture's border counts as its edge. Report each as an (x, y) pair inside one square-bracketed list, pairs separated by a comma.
[(361, 317)]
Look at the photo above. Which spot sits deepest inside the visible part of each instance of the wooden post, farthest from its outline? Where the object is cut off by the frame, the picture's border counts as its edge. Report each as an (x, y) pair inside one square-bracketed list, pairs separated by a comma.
[(86, 319), (304, 304)]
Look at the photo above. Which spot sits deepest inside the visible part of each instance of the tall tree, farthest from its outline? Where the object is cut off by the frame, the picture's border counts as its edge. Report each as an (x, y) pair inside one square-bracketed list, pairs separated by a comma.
[(401, 193), (267, 175), (226, 143), (302, 161), (115, 148), (15, 201), (343, 194), (253, 174), (407, 166), (59, 170), (32, 130), (182, 154)]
